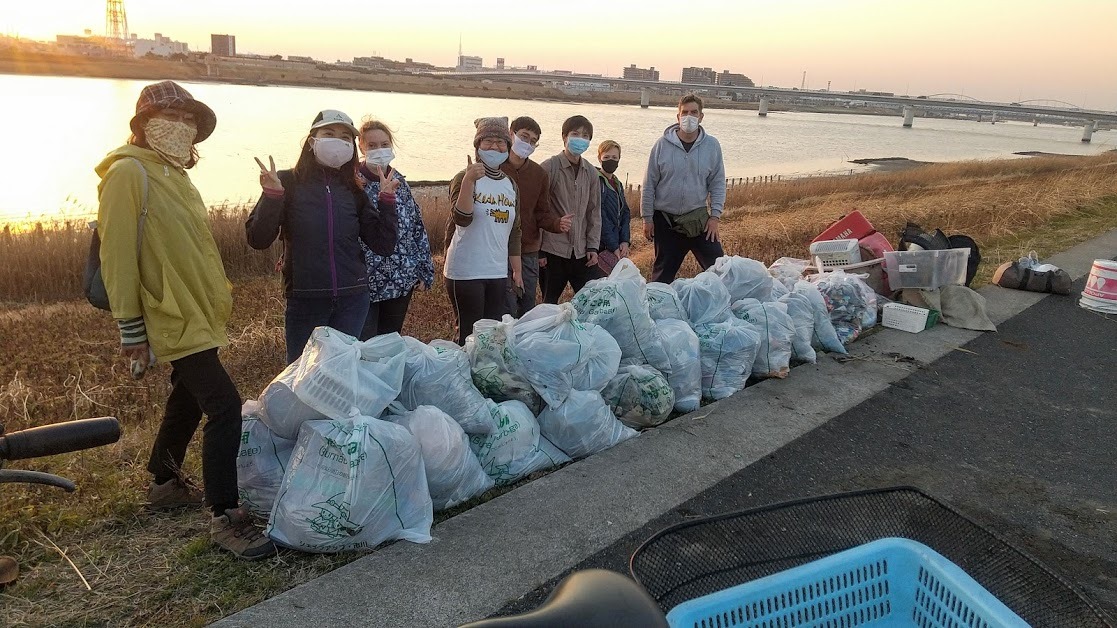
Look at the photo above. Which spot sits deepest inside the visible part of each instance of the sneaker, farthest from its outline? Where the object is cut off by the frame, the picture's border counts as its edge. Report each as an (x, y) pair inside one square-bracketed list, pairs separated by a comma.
[(236, 532), (173, 493)]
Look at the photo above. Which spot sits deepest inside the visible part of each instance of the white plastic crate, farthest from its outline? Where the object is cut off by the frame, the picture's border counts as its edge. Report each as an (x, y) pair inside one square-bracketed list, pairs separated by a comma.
[(905, 317), (832, 254)]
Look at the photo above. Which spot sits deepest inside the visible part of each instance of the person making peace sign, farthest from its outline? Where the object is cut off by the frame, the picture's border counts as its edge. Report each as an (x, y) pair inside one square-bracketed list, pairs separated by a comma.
[(321, 213), (486, 242)]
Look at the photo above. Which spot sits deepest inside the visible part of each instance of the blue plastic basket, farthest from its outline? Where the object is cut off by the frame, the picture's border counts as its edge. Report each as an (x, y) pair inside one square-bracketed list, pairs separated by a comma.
[(890, 582)]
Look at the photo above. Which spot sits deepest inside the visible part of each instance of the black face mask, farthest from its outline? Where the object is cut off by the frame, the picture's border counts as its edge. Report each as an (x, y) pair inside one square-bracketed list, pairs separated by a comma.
[(610, 165)]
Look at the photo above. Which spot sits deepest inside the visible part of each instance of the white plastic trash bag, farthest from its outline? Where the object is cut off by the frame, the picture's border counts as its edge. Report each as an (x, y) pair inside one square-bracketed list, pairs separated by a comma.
[(852, 303), (728, 350), (440, 377), (685, 378), (496, 369), (801, 311), (640, 396), (261, 461), (825, 337), (618, 303), (554, 349), (583, 425), (516, 449), (788, 270), (705, 298), (778, 289), (776, 329), (342, 377), (281, 409), (352, 484), (453, 473), (744, 278), (663, 302), (602, 356)]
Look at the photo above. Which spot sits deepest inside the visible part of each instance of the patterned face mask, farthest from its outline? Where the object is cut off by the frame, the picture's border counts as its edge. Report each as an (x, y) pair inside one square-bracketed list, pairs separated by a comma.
[(171, 139)]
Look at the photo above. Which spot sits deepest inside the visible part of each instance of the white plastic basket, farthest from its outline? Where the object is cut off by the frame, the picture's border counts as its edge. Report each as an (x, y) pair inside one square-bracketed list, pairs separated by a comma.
[(905, 317), (835, 253)]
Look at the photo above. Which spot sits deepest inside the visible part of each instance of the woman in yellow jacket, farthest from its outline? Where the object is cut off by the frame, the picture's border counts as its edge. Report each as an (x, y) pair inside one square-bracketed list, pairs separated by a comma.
[(169, 295)]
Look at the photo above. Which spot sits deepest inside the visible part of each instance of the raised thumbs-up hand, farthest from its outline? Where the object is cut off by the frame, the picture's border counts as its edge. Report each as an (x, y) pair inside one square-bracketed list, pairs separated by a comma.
[(473, 171)]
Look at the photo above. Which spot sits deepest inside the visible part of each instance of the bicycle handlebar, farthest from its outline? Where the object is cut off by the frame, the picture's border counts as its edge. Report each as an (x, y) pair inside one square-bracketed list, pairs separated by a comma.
[(59, 438)]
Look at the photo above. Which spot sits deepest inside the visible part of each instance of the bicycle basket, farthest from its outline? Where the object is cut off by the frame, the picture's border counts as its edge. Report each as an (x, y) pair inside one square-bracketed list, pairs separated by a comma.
[(696, 558)]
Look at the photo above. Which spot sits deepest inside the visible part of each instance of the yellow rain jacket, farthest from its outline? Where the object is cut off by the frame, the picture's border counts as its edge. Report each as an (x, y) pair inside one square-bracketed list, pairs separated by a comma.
[(178, 284)]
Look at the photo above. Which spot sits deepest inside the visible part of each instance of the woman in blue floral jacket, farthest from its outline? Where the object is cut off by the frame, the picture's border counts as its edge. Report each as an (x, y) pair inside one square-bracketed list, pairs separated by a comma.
[(392, 278)]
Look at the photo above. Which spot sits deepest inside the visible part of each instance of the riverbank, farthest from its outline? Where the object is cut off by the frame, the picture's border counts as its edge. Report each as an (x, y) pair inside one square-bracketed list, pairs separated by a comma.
[(267, 72), (160, 569)]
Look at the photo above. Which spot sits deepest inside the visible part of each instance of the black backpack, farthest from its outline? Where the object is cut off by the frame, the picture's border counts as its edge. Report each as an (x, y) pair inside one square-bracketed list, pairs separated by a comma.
[(914, 234), (92, 283)]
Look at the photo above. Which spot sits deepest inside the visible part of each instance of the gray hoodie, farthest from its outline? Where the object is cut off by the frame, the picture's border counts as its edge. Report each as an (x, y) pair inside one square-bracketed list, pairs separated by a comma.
[(678, 182)]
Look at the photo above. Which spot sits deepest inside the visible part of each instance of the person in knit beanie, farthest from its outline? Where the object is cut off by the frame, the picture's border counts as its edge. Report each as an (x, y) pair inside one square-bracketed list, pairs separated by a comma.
[(484, 252)]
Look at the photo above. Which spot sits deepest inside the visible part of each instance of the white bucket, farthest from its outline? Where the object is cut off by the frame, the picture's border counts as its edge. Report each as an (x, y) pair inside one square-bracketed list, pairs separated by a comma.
[(1100, 293)]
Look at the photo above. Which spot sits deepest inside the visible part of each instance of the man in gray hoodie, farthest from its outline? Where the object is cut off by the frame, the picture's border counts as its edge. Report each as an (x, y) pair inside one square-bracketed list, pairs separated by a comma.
[(684, 194)]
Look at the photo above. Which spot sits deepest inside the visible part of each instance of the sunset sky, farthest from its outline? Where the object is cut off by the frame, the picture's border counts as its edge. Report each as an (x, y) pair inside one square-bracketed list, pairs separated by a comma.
[(1006, 50)]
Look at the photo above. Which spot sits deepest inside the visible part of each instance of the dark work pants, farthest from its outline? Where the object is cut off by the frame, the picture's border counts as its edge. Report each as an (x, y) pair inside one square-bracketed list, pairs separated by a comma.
[(385, 317), (518, 306), (671, 248), (345, 314), (566, 270), (474, 299), (200, 384)]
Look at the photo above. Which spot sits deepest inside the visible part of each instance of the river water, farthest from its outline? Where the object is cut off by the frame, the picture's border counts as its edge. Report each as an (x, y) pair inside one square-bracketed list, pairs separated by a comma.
[(59, 128)]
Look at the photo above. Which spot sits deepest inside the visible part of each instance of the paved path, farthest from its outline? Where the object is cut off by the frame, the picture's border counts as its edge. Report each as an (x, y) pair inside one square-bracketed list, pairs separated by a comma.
[(1012, 471)]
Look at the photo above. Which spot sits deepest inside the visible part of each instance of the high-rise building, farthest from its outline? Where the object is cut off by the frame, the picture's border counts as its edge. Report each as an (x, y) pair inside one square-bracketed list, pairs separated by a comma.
[(223, 45), (500, 63), (732, 79), (640, 74), (699, 75)]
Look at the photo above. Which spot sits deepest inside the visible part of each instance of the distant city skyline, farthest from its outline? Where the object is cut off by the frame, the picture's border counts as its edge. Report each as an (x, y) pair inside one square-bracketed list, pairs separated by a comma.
[(993, 50)]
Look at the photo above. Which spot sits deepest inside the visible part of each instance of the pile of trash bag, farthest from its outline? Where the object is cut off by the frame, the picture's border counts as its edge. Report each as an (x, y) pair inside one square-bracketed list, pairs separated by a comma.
[(352, 484), (516, 449), (640, 396), (261, 461), (454, 474), (440, 377), (583, 425)]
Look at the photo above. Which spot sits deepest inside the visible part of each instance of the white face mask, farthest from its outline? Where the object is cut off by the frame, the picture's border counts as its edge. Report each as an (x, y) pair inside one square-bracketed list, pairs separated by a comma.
[(332, 152), (689, 124), (522, 148), (379, 156)]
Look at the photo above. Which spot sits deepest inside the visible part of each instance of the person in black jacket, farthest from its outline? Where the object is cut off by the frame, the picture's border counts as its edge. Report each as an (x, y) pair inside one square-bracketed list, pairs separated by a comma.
[(615, 214), (321, 213)]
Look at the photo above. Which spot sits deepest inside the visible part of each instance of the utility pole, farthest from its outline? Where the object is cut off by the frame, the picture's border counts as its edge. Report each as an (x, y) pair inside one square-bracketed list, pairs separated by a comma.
[(803, 83)]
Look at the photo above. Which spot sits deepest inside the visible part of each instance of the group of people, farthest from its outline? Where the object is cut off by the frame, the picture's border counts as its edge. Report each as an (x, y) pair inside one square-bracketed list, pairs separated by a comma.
[(355, 248)]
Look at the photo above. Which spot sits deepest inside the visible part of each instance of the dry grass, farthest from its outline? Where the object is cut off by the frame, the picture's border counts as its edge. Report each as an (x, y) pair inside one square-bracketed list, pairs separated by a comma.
[(146, 569)]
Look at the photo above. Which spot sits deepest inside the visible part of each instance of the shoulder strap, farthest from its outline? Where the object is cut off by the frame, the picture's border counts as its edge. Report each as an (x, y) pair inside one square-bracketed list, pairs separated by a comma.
[(143, 207)]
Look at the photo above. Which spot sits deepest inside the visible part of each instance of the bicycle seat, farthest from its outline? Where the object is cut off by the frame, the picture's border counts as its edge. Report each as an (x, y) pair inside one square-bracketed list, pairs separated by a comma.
[(594, 598)]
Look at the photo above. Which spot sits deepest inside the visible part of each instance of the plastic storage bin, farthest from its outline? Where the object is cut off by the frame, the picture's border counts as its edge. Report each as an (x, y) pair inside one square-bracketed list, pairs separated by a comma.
[(926, 269), (905, 317), (835, 253), (889, 582)]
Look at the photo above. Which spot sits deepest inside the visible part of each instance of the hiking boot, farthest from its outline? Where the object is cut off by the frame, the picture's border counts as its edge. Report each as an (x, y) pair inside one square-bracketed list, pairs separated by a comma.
[(173, 493), (236, 532)]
